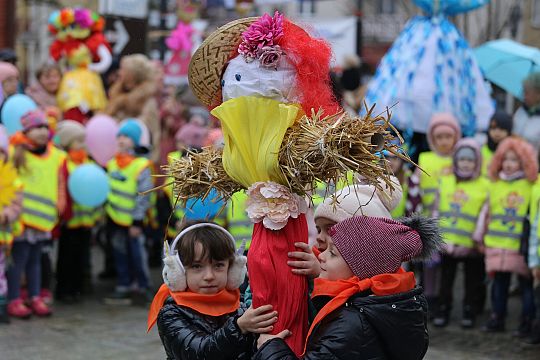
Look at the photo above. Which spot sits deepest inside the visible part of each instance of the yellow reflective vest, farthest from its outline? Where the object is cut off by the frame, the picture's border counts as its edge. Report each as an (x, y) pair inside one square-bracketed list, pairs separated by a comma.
[(401, 208), (435, 166), (238, 222), (40, 188), (508, 207), (460, 203), (534, 243), (83, 216), (486, 159), (9, 231), (122, 197)]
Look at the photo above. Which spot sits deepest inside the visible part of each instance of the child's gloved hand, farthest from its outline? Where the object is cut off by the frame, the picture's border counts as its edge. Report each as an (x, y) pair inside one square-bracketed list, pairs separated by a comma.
[(307, 263), (258, 321)]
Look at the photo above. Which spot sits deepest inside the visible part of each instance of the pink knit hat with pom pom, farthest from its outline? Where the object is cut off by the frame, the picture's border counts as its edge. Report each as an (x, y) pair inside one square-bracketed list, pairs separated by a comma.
[(373, 246)]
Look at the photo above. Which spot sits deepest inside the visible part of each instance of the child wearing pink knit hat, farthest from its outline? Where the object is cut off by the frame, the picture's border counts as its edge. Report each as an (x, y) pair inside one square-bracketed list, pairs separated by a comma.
[(357, 199), (366, 303)]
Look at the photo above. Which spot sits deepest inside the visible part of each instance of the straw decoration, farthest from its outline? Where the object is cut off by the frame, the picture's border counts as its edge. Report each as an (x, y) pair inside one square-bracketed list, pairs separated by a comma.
[(315, 148)]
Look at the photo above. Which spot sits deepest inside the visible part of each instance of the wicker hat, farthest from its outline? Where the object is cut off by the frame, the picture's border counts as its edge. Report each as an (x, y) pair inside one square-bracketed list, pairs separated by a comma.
[(207, 63)]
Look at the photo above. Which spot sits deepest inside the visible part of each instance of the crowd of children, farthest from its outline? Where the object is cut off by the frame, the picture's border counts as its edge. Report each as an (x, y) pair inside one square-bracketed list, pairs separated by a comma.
[(363, 302), (44, 223)]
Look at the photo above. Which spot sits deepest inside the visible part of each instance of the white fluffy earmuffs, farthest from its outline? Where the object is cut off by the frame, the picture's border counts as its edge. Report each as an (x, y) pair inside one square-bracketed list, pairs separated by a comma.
[(174, 273)]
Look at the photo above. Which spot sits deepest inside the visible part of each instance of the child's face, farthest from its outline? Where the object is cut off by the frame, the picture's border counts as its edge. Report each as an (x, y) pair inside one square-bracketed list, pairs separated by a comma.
[(333, 266), (466, 165), (323, 225), (531, 96), (511, 163), (124, 143), (497, 134), (396, 164), (10, 85), (39, 135), (206, 276), (444, 141), (50, 81), (76, 144)]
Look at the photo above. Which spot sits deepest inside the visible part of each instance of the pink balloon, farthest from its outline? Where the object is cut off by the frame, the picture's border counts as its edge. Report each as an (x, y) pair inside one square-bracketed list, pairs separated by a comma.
[(101, 133)]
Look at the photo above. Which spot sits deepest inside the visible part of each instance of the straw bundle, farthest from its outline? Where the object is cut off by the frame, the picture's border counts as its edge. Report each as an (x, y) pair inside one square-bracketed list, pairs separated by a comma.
[(314, 149), (196, 173)]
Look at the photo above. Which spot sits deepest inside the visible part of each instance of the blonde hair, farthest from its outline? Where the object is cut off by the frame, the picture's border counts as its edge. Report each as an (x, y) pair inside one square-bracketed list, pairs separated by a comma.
[(139, 66)]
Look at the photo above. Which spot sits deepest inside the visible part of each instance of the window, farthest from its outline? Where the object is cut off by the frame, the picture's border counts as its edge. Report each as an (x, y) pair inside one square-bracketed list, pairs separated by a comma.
[(386, 6)]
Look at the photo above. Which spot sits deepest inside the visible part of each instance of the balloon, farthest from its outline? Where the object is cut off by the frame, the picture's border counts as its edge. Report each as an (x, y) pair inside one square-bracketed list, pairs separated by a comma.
[(88, 185), (14, 108), (207, 209), (101, 133)]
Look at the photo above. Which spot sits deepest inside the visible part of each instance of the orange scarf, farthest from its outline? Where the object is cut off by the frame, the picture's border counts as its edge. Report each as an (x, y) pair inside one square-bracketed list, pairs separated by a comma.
[(124, 160), (342, 290), (19, 138), (224, 302), (78, 156)]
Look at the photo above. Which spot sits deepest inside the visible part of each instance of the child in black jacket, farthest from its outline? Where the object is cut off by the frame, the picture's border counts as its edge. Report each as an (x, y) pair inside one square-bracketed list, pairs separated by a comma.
[(198, 310), (369, 308)]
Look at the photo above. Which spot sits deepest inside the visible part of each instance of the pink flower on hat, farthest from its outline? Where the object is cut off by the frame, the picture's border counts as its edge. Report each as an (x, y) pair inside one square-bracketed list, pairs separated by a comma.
[(273, 204), (266, 31)]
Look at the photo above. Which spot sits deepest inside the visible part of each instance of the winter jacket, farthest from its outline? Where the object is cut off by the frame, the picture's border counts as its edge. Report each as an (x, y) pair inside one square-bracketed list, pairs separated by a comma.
[(528, 127), (366, 327), (189, 335), (42, 98)]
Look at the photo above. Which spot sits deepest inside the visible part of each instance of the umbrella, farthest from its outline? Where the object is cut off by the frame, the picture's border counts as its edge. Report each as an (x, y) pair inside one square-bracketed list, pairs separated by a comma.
[(507, 63)]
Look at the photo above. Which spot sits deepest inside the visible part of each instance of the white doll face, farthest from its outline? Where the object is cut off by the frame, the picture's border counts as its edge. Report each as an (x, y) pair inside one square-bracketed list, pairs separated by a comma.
[(250, 79)]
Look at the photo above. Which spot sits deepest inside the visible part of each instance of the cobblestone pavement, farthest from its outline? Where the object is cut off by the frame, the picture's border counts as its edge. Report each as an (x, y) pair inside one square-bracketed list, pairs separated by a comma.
[(92, 330)]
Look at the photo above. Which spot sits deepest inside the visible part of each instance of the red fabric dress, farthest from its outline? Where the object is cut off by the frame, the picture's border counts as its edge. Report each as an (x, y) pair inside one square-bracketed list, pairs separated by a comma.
[(272, 281)]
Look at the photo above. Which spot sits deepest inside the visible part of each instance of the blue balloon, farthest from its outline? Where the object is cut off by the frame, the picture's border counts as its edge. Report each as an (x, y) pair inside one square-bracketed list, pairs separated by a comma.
[(207, 209), (88, 185), (14, 108)]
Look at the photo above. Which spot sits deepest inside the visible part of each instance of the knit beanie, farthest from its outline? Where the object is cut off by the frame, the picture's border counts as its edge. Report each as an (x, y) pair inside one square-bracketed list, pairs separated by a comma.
[(132, 130), (4, 140), (360, 199), (192, 135), (373, 246), (467, 148), (440, 122), (533, 80), (7, 70), (32, 119), (67, 131)]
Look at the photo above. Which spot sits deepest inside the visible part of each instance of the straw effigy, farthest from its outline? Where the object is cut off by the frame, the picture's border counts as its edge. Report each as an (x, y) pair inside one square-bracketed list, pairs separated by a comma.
[(314, 149)]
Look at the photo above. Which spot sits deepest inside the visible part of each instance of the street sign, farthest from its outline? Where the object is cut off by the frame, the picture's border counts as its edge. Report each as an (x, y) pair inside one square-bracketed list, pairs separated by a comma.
[(126, 35), (126, 8)]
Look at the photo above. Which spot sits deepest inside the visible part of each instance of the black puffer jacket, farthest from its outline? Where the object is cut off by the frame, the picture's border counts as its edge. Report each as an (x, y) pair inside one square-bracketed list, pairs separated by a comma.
[(189, 335), (390, 327)]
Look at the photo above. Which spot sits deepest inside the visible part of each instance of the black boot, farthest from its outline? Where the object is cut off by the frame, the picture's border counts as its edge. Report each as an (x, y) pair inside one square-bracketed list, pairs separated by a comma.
[(524, 329), (494, 324), (441, 316), (467, 321), (534, 337)]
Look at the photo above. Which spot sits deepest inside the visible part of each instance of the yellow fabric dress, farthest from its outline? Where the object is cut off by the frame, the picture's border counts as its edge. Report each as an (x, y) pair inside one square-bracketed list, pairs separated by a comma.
[(81, 88), (253, 130)]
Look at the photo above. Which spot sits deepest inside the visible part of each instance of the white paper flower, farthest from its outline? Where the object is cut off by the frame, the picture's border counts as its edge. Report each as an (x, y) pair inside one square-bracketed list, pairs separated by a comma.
[(273, 204)]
